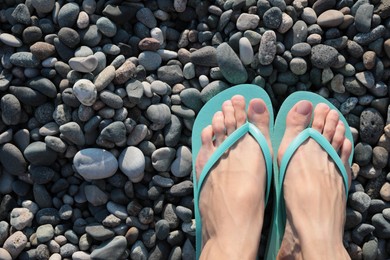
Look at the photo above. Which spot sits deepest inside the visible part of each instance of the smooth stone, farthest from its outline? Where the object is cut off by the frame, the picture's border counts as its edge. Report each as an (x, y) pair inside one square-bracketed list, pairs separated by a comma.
[(188, 250), (10, 40), (182, 111), (273, 18), (363, 153), (104, 78), (159, 114), (126, 71), (359, 201), (4, 254), (267, 48), (137, 135), (385, 192), (38, 153), (363, 18), (112, 248), (189, 70), (171, 74), (132, 163), (205, 56), (149, 60), (370, 250), (56, 144), (95, 195), (24, 59), (21, 218), (380, 157), (230, 65), (95, 163), (191, 98), (11, 110), (366, 78), (361, 231), (80, 255), (73, 133), (91, 36), (43, 6), (45, 233), (67, 16), (84, 64), (247, 21), (117, 210), (21, 14), (162, 229), (85, 91), (246, 51), (182, 165), (106, 26), (353, 218), (145, 16), (139, 251), (181, 189), (111, 99), (330, 18), (382, 226), (69, 37), (44, 86), (286, 23), (134, 90), (15, 244), (172, 131), (212, 89), (114, 132), (99, 232), (184, 214)]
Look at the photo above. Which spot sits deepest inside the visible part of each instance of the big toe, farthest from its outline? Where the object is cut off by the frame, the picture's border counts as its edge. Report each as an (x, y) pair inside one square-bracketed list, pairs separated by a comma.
[(258, 115), (298, 118)]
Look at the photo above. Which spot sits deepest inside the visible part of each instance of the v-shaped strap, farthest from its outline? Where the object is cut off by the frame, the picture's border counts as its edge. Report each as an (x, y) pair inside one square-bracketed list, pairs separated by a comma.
[(226, 144), (321, 140)]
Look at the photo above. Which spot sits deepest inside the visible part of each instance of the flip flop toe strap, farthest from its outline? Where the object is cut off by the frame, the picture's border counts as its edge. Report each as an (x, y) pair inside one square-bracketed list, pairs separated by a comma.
[(226, 144), (321, 140)]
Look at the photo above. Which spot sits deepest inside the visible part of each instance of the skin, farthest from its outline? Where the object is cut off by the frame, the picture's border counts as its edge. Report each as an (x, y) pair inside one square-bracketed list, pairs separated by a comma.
[(232, 197)]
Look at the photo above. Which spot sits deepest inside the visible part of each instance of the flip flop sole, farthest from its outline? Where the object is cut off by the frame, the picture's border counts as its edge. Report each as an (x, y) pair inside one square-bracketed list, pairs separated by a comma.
[(279, 214), (204, 118)]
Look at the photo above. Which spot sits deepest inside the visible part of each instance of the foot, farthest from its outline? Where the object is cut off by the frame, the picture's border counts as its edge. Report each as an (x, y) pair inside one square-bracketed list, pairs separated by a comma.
[(314, 192), (232, 198)]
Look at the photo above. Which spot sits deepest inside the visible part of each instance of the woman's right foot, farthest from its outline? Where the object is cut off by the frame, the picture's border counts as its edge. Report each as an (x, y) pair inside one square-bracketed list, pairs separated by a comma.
[(313, 188)]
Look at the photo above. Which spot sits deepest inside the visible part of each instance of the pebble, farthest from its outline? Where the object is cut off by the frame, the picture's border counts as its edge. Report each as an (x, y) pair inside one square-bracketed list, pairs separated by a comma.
[(149, 60), (104, 78), (359, 201), (231, 66), (246, 51), (323, 56), (95, 196), (73, 133), (38, 153), (12, 159), (95, 163), (4, 254), (84, 64), (247, 21), (371, 126), (15, 244), (385, 192), (273, 18), (382, 226), (24, 59), (21, 218), (68, 14), (182, 165), (45, 233), (117, 209), (139, 251), (132, 163), (205, 56), (162, 158)]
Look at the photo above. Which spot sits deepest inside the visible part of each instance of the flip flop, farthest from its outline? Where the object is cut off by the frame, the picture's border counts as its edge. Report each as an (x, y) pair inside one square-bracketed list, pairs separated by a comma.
[(204, 119), (279, 214)]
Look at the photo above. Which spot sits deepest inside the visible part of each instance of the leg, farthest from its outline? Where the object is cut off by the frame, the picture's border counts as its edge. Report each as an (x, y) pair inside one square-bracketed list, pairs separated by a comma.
[(232, 197), (313, 188)]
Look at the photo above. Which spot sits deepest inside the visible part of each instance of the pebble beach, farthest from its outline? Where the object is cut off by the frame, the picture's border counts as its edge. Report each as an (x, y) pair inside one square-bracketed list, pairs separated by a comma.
[(98, 99)]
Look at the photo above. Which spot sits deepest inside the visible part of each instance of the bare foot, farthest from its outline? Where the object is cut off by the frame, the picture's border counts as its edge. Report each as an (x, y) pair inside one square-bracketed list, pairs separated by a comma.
[(232, 198), (313, 188)]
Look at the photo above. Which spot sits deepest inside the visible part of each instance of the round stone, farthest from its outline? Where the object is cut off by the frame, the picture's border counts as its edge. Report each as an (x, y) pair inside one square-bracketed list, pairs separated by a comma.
[(95, 163), (85, 91), (132, 163)]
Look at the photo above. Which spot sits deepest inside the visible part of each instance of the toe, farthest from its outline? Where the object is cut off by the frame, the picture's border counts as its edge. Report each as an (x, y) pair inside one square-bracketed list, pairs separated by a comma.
[(346, 150), (258, 115), (338, 137), (239, 109), (320, 113), (331, 122), (218, 127), (207, 136), (298, 118), (229, 117)]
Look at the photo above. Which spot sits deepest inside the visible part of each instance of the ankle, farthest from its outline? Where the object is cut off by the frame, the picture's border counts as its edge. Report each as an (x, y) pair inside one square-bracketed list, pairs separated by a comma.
[(228, 249), (323, 248)]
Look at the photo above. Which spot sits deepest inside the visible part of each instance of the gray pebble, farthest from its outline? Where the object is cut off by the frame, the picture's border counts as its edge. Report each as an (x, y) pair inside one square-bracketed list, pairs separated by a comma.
[(95, 196), (370, 250), (39, 154), (114, 132), (182, 165), (99, 232), (11, 109), (21, 218), (371, 126), (106, 26), (139, 251), (171, 74), (15, 244), (72, 132), (205, 56), (382, 226), (132, 163), (67, 15), (45, 233), (150, 60), (247, 21), (323, 56), (272, 18), (138, 134), (267, 48), (162, 158), (359, 201)]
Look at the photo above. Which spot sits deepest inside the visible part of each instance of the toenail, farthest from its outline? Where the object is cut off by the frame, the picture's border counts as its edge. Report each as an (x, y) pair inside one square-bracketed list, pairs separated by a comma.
[(258, 107), (304, 108)]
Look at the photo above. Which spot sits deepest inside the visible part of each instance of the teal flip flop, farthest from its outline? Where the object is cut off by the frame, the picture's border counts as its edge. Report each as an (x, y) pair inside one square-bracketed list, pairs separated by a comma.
[(279, 214), (204, 119)]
